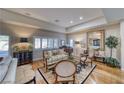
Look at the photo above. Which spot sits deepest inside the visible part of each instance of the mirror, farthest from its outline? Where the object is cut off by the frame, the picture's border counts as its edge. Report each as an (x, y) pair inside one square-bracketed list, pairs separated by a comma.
[(96, 40)]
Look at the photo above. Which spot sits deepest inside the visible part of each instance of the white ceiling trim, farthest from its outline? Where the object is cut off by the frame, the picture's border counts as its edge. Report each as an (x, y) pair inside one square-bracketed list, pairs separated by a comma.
[(20, 24), (110, 15), (113, 14), (94, 23), (15, 18), (63, 15)]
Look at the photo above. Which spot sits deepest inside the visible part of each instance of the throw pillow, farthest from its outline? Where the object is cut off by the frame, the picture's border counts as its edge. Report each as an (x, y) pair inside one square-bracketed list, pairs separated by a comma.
[(46, 54), (54, 52), (61, 51), (50, 53)]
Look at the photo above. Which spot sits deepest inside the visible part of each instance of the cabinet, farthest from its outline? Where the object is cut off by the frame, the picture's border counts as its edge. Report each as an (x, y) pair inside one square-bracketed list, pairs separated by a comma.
[(24, 57)]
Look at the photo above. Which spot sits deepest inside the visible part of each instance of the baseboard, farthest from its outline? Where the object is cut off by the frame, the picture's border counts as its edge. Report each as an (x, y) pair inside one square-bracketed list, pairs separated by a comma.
[(122, 69), (37, 59)]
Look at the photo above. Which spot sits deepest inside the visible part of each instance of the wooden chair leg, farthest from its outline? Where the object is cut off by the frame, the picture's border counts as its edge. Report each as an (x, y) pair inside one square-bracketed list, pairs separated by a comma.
[(45, 65), (55, 79), (91, 62), (46, 68), (74, 79), (84, 64)]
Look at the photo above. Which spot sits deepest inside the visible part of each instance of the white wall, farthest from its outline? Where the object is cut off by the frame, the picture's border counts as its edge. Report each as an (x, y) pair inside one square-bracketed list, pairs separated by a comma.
[(96, 22), (16, 32), (113, 30), (15, 18), (79, 37), (122, 44)]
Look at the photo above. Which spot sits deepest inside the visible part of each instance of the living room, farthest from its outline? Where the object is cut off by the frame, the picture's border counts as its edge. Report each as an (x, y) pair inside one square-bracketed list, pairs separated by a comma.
[(39, 39)]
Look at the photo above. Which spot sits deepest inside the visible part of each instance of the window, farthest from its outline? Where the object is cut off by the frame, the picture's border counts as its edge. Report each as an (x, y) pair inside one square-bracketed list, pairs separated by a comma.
[(63, 42), (37, 43), (4, 45), (55, 43), (44, 43), (50, 43), (71, 43)]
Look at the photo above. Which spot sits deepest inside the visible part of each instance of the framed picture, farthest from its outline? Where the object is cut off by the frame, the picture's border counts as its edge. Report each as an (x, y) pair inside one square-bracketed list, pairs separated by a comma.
[(96, 42)]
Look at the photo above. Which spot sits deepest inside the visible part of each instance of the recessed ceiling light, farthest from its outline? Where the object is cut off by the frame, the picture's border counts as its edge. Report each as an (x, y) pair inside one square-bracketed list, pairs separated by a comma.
[(71, 22), (81, 18)]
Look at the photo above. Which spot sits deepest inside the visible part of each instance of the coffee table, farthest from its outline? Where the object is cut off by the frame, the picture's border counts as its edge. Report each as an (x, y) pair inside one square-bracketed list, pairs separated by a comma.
[(65, 72), (59, 76)]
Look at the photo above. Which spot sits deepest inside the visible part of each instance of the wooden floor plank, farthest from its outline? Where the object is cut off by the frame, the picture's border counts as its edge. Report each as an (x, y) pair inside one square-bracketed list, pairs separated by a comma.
[(102, 74)]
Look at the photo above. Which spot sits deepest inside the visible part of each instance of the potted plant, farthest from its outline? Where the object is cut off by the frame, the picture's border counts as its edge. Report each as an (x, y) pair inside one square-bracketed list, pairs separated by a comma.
[(112, 42), (22, 47)]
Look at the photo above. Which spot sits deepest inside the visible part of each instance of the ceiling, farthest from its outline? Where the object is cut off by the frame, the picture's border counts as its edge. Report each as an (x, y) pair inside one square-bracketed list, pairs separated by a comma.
[(58, 19), (61, 16)]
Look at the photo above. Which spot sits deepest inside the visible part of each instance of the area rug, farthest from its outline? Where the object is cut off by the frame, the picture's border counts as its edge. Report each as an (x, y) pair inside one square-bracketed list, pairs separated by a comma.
[(24, 74), (80, 78), (21, 78)]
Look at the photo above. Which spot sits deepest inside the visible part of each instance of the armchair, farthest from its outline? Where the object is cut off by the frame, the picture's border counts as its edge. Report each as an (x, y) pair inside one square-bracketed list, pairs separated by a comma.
[(99, 55), (85, 59)]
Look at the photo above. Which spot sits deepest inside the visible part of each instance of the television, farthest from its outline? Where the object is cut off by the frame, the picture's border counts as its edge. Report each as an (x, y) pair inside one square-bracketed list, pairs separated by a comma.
[(23, 40), (96, 42)]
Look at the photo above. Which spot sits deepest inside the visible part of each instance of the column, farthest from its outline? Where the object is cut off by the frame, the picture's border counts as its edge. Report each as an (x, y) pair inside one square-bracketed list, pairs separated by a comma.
[(122, 43)]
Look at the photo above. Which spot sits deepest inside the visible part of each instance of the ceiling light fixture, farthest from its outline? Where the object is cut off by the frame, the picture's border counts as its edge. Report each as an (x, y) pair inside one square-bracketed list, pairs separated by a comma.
[(71, 22), (81, 18), (56, 20)]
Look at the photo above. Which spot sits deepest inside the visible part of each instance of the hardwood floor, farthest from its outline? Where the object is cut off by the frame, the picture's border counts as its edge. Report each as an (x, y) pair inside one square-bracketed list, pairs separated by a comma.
[(104, 74), (37, 64)]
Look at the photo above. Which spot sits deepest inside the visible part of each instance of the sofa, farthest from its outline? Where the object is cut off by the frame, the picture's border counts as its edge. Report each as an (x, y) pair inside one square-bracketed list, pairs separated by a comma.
[(52, 57), (8, 70)]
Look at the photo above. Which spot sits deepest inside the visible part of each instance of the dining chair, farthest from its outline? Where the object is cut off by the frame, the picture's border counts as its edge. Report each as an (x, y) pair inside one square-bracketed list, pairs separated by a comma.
[(90, 57), (83, 58)]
